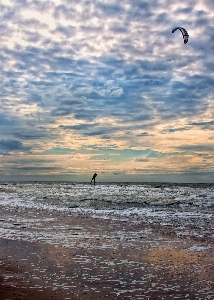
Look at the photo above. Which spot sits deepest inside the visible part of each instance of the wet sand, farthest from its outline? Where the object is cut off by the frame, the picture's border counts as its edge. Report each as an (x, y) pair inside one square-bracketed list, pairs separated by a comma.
[(109, 259)]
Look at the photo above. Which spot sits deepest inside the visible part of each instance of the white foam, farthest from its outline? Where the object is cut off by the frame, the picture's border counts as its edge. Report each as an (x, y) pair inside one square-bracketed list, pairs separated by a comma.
[(198, 248), (128, 203)]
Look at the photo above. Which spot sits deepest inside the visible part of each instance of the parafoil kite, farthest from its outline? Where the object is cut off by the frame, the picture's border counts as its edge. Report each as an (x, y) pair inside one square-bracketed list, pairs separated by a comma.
[(184, 33)]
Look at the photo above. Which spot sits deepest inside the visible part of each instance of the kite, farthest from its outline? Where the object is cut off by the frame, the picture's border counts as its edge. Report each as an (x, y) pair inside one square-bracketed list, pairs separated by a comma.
[(184, 33)]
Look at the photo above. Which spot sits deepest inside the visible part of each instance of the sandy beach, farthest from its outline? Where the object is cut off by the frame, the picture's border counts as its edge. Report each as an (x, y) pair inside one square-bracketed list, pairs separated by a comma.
[(109, 259)]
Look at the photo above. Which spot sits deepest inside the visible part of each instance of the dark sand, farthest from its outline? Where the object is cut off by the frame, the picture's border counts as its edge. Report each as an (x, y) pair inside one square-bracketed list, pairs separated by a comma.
[(105, 266)]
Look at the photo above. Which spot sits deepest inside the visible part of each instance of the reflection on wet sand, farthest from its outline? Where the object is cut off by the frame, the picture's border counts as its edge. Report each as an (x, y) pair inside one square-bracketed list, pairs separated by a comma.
[(197, 266), (111, 259)]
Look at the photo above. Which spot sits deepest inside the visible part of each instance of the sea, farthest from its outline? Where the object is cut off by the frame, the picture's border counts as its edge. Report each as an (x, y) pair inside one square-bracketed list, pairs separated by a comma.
[(109, 240), (187, 208)]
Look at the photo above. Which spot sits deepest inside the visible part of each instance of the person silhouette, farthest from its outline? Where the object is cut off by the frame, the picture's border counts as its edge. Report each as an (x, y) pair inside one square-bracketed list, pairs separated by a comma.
[(93, 178)]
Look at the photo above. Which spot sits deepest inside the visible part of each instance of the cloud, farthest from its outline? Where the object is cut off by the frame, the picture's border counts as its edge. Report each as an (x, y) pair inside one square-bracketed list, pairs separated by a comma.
[(170, 130), (141, 159), (10, 146), (197, 148), (204, 125), (37, 169), (105, 73), (91, 129), (143, 134)]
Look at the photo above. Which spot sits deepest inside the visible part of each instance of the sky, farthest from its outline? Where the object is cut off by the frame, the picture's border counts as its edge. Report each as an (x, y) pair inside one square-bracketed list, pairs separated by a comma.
[(105, 86)]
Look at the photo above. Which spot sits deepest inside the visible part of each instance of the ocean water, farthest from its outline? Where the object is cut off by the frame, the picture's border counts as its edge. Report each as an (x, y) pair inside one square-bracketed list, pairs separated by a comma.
[(112, 240), (186, 208)]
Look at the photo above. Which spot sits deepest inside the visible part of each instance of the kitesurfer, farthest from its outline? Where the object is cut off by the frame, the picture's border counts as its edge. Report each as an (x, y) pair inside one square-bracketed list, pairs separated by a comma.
[(93, 178)]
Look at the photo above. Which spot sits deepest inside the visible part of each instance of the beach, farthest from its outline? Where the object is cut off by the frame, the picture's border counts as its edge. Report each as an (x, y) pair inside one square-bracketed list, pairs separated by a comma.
[(51, 247)]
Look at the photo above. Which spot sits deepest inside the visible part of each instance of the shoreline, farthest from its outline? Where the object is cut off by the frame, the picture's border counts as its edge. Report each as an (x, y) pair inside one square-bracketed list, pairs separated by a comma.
[(106, 259)]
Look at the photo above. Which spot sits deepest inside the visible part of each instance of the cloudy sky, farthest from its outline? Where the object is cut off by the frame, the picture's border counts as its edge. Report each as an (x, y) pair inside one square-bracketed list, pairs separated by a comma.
[(103, 85)]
